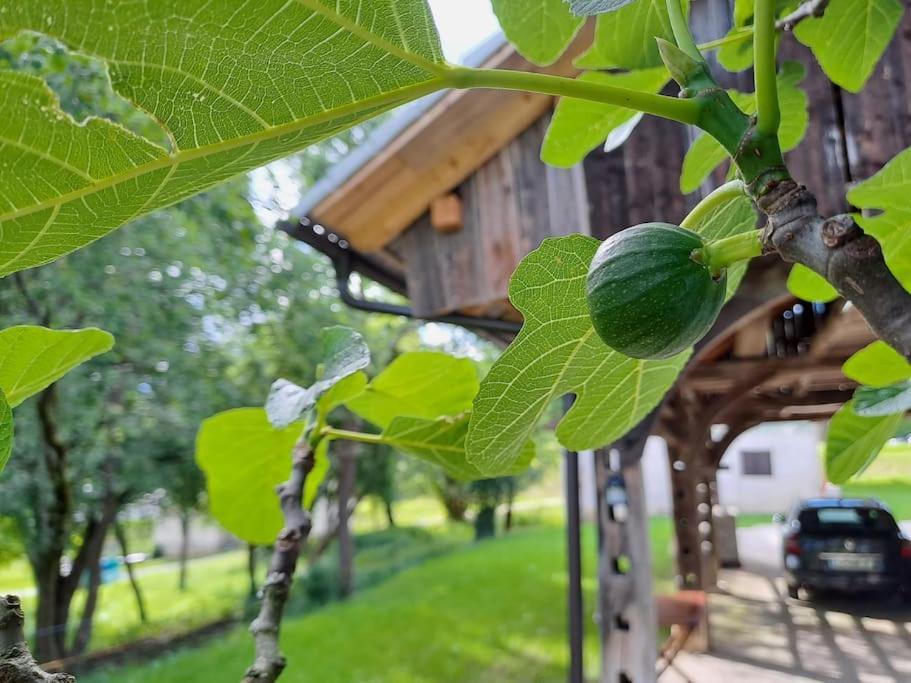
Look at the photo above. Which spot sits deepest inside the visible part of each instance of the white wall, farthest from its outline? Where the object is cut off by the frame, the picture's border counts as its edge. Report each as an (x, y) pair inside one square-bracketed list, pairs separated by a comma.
[(796, 471), (796, 468)]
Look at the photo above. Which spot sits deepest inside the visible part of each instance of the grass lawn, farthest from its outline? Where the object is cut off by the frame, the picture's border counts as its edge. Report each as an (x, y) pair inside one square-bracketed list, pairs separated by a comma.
[(218, 586), (895, 493), (487, 613)]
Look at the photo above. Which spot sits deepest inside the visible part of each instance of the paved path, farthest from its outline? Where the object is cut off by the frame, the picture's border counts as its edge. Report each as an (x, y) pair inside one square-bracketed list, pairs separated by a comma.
[(760, 636)]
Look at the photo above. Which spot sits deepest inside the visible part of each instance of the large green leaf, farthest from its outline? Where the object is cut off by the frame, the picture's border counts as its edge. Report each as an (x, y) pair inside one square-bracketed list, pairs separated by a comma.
[(423, 384), (625, 39), (541, 30), (877, 365), (873, 402), (810, 286), (556, 353), (345, 353), (442, 443), (850, 37), (6, 430), (235, 84), (888, 191), (244, 459), (579, 126), (33, 358), (706, 153), (854, 441)]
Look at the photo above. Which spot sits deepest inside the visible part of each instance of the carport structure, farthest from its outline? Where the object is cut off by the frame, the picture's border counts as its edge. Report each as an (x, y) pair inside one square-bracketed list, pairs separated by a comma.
[(447, 197)]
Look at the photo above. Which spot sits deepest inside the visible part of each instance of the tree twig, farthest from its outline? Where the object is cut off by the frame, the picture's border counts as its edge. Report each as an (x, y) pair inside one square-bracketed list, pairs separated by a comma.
[(270, 662), (17, 665), (807, 10), (839, 250)]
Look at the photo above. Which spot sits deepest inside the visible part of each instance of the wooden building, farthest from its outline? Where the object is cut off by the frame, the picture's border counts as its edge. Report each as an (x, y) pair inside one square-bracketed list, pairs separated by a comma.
[(451, 195)]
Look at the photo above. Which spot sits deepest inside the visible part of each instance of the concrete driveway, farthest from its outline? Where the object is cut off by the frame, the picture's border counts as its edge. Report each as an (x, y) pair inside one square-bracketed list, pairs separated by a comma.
[(761, 636)]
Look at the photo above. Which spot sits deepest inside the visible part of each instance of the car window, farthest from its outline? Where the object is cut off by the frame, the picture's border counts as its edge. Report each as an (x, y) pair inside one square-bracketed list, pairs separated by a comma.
[(850, 520)]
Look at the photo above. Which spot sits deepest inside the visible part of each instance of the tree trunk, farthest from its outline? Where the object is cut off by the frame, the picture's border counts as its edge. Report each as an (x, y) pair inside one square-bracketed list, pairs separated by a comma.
[(56, 520), (184, 549), (84, 633), (453, 499), (251, 569), (46, 641), (88, 559), (390, 518), (347, 477), (134, 583), (485, 523)]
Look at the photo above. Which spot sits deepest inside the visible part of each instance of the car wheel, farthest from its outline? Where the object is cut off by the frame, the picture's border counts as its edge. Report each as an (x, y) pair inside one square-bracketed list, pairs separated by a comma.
[(794, 591)]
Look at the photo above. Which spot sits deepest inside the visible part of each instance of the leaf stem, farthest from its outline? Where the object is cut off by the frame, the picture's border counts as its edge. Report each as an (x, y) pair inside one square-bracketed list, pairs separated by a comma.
[(739, 36), (681, 30), (768, 117), (719, 255), (332, 433), (675, 109)]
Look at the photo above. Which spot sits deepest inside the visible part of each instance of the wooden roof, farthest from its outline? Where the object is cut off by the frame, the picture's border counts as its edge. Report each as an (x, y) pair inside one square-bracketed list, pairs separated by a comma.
[(437, 151)]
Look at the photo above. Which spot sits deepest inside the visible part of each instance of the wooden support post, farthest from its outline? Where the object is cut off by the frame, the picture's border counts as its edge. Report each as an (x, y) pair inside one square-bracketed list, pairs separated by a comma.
[(574, 569), (626, 609)]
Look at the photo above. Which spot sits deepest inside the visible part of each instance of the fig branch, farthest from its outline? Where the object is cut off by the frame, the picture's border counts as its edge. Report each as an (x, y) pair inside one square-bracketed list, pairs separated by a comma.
[(270, 662), (834, 247), (16, 661)]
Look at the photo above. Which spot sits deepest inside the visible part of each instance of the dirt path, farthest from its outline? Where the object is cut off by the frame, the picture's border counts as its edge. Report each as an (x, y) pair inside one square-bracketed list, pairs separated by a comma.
[(760, 636)]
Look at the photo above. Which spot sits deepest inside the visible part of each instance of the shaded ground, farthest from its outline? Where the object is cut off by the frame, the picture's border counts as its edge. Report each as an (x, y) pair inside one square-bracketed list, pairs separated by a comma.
[(761, 636)]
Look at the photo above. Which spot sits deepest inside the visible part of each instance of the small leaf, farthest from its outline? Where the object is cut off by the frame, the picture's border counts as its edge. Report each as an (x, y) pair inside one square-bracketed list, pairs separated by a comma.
[(888, 191), (557, 353), (706, 154), (245, 459), (850, 37), (625, 39), (808, 285), (541, 30), (33, 358), (441, 442), (422, 384), (872, 402), (6, 431), (578, 126), (345, 353), (589, 8), (716, 220), (287, 403), (854, 441), (877, 365)]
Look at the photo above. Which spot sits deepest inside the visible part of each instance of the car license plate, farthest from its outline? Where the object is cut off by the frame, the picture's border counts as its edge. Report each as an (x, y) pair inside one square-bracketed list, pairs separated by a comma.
[(851, 562)]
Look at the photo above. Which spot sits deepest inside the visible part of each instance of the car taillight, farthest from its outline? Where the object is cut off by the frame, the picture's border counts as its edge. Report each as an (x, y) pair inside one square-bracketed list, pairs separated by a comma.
[(906, 550), (792, 545)]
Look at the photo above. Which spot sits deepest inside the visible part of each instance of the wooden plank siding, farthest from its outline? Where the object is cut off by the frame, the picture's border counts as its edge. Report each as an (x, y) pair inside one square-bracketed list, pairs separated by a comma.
[(511, 204)]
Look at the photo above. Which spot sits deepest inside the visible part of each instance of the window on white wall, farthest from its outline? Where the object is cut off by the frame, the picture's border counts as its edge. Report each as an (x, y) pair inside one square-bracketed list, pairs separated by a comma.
[(756, 463)]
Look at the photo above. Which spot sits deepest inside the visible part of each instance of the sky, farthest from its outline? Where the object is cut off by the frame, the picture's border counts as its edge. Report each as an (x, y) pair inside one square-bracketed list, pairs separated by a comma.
[(463, 25)]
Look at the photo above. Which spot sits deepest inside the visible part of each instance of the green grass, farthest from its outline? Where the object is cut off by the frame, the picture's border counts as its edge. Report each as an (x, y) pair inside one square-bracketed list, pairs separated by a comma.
[(218, 586), (487, 613), (895, 493), (892, 464)]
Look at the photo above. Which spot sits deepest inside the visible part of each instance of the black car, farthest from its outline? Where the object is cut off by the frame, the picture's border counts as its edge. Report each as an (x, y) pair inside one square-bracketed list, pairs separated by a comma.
[(844, 544)]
